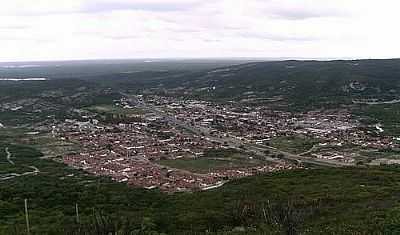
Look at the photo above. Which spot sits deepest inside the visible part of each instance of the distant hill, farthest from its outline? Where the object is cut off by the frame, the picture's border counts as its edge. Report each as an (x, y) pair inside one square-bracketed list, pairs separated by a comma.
[(291, 84), (300, 82), (92, 68)]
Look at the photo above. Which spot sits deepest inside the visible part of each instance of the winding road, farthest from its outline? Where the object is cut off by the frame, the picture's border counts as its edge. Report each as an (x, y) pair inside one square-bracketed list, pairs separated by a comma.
[(9, 157), (9, 176)]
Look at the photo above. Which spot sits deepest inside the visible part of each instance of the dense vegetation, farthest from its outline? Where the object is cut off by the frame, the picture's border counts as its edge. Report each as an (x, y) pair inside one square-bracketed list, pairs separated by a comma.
[(297, 85), (387, 115), (303, 84), (319, 201)]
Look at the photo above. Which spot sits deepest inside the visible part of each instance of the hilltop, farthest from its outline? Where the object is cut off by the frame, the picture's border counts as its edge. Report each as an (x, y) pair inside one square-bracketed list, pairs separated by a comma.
[(304, 84)]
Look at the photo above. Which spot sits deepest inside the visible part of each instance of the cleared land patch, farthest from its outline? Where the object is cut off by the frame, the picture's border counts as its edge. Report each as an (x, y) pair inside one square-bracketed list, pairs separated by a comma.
[(212, 160)]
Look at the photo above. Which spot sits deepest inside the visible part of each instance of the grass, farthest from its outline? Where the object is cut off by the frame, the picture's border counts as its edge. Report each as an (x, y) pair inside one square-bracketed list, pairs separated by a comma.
[(217, 159), (387, 115), (293, 144), (21, 156), (48, 145), (200, 165), (350, 200), (113, 109), (51, 147), (12, 134), (380, 154), (7, 168)]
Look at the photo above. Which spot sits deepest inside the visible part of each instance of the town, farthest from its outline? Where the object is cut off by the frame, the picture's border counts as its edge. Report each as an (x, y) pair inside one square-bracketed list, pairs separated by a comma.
[(176, 144)]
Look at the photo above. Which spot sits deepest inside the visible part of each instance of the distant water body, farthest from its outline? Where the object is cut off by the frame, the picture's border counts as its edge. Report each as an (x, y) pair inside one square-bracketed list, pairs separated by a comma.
[(20, 66), (23, 79)]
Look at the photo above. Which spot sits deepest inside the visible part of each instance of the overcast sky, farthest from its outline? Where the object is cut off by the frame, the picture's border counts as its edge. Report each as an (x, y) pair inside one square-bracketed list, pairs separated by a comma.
[(90, 29)]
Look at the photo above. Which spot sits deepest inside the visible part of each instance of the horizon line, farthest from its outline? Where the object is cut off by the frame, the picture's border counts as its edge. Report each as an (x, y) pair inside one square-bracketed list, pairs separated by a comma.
[(149, 59)]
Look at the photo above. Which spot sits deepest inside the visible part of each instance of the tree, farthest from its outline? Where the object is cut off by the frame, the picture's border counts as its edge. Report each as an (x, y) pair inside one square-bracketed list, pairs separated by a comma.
[(109, 147)]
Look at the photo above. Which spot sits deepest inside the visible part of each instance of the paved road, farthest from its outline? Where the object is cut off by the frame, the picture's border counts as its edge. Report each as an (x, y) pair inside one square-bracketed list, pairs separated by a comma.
[(200, 131), (303, 159), (236, 143)]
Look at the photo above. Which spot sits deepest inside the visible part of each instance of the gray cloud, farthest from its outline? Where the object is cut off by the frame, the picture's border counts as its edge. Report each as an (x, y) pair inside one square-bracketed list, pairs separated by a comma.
[(302, 14), (212, 40), (276, 37), (296, 15), (104, 6), (300, 10), (121, 37), (78, 29), (185, 30), (161, 6)]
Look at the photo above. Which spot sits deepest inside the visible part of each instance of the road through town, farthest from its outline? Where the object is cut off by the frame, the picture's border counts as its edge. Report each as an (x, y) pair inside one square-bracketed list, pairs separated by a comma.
[(233, 142)]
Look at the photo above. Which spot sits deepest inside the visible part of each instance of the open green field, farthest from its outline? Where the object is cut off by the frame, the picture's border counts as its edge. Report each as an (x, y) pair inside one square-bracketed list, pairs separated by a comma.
[(113, 109), (49, 146), (12, 134), (293, 144), (385, 114), (202, 165), (212, 160), (390, 154), (7, 168), (20, 159)]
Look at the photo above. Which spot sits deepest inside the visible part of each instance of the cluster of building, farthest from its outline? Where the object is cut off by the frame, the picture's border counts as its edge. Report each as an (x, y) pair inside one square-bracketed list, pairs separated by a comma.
[(129, 152), (172, 128), (260, 124)]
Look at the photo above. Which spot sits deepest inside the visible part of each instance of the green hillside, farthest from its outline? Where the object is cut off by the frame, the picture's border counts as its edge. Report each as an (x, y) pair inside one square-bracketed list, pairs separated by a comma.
[(310, 84), (314, 201), (320, 201)]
